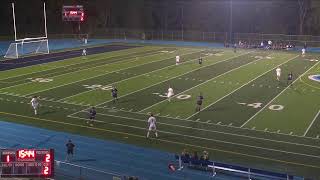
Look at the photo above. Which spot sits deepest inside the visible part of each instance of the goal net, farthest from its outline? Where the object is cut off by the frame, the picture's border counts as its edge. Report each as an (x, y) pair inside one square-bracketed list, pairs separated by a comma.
[(27, 47)]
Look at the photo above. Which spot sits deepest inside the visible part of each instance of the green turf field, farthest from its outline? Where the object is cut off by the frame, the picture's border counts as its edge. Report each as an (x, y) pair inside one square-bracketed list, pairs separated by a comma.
[(247, 118)]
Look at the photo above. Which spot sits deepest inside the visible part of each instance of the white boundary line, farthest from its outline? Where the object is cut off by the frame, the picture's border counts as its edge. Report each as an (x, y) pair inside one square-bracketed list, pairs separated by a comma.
[(199, 129), (200, 84), (163, 140), (102, 74), (243, 86), (56, 67), (276, 96), (177, 76), (314, 119), (208, 139), (173, 65)]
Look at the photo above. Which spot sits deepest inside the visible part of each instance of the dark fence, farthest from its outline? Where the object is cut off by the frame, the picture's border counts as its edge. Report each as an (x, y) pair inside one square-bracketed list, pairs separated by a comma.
[(221, 37)]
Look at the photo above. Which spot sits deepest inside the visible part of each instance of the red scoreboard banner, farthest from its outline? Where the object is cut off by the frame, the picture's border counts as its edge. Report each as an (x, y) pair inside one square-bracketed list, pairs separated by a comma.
[(27, 163)]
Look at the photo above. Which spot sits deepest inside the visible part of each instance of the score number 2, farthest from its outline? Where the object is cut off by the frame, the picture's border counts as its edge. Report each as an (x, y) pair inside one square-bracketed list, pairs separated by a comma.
[(46, 168)]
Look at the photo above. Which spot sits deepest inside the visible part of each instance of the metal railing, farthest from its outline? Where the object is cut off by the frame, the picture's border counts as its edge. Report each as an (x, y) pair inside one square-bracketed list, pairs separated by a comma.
[(216, 168), (70, 171)]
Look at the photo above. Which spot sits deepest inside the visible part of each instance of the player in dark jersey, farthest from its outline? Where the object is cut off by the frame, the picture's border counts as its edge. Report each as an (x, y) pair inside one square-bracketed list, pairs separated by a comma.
[(199, 102), (70, 149), (290, 78), (92, 116), (114, 93), (200, 60)]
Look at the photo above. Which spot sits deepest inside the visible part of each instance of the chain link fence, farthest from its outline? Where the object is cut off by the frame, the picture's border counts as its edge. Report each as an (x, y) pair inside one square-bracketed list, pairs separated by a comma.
[(219, 37)]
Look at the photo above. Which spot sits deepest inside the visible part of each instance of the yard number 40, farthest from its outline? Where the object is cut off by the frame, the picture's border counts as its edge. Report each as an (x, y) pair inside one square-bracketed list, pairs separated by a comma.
[(274, 107)]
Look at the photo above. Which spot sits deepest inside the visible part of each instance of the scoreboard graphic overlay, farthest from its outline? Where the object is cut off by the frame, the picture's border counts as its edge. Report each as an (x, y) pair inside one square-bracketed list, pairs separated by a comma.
[(27, 163)]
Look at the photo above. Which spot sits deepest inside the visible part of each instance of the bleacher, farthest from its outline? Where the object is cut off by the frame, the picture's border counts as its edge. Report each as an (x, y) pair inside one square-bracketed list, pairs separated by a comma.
[(214, 168)]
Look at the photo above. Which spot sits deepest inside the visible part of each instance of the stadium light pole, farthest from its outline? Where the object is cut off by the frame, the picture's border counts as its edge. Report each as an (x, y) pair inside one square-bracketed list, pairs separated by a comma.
[(230, 22), (182, 22)]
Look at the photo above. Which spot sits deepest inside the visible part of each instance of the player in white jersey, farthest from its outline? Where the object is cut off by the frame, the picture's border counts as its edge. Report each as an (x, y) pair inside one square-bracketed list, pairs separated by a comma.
[(35, 104), (152, 125), (303, 52), (177, 60), (278, 71), (84, 52), (170, 93), (269, 44)]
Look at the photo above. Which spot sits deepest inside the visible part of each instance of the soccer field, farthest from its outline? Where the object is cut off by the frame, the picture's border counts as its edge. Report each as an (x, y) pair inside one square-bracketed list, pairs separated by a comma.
[(247, 116)]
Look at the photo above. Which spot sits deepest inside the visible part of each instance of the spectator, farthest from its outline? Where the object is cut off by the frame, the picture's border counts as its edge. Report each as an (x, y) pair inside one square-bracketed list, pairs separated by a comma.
[(185, 154), (195, 155), (205, 155)]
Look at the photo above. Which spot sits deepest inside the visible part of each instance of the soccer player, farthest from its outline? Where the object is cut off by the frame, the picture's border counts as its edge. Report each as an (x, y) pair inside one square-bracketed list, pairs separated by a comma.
[(84, 52), (235, 47), (170, 93), (303, 52), (278, 71), (269, 44), (177, 60), (114, 93), (152, 125), (200, 60), (92, 116), (35, 104), (70, 149), (199, 102), (290, 78)]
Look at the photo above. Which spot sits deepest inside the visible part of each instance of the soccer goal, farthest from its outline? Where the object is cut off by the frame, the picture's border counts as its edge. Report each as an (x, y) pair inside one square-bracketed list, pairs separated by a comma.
[(28, 46)]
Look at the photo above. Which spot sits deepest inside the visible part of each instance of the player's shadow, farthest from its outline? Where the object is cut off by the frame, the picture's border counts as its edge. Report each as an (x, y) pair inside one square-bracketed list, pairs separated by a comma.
[(83, 160), (48, 112)]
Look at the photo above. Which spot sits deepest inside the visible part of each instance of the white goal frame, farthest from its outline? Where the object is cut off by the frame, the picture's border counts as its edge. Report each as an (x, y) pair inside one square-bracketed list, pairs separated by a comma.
[(23, 41)]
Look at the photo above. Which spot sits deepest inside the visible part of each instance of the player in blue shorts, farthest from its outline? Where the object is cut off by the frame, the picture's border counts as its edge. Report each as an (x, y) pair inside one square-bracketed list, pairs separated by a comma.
[(114, 93), (290, 78), (92, 116), (199, 102)]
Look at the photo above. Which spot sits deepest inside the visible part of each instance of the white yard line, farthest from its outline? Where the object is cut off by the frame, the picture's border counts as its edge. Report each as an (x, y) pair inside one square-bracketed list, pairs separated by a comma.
[(176, 77), (267, 105), (205, 130), (102, 74), (160, 140), (173, 65), (168, 79), (209, 139), (200, 84), (314, 119), (125, 61), (233, 127), (242, 86)]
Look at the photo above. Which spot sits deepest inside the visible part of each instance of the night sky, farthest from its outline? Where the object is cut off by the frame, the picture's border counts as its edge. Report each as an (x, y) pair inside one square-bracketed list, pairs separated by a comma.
[(250, 16)]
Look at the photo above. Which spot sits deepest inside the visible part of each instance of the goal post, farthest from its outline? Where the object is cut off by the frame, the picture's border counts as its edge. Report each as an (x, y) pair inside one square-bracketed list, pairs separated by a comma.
[(26, 46)]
